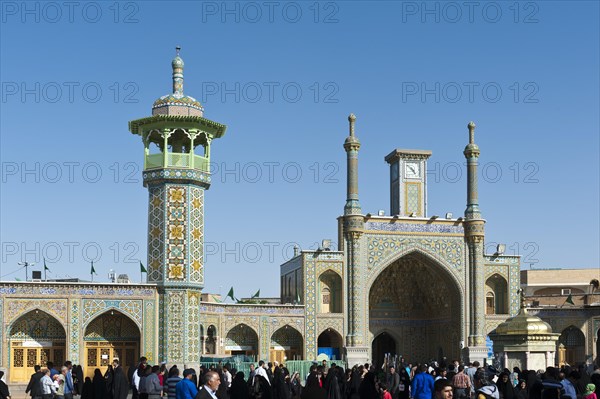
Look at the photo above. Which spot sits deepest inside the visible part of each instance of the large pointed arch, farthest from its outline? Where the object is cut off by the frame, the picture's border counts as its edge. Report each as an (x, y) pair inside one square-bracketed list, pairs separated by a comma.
[(110, 335), (421, 300), (571, 345), (34, 338), (330, 343), (241, 340), (286, 344)]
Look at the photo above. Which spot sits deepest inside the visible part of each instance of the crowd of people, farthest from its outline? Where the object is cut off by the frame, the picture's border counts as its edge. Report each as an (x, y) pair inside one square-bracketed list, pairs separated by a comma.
[(447, 380)]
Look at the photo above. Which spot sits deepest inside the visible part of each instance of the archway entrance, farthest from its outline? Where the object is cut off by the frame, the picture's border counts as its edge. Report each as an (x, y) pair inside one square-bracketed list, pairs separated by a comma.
[(211, 340), (286, 344), (241, 340), (415, 299), (35, 339), (112, 335), (571, 346), (382, 344), (330, 343)]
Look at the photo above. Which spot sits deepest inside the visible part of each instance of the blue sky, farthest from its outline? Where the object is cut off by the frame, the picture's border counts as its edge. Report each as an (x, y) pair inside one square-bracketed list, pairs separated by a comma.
[(284, 76)]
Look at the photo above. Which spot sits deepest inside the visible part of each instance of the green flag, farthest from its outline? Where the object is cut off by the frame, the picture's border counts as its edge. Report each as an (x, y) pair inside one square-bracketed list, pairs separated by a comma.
[(45, 267), (142, 268), (230, 294), (18, 279), (256, 295), (216, 299), (93, 271), (298, 298), (570, 299)]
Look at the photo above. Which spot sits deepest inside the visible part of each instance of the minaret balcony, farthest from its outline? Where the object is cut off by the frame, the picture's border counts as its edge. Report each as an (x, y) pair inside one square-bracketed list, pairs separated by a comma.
[(176, 160)]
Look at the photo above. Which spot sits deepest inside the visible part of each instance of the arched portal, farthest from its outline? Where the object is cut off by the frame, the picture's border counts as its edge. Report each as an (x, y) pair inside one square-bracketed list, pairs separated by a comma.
[(496, 297), (210, 344), (34, 339), (286, 344), (383, 344), (571, 346), (417, 300), (111, 335), (330, 292), (241, 340), (330, 343)]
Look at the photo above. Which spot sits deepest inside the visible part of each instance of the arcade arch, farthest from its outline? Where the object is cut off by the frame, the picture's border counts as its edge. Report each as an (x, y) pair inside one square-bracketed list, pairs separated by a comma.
[(34, 338), (210, 343), (286, 344), (496, 295), (330, 342), (416, 299), (571, 345), (110, 335), (330, 290), (241, 340)]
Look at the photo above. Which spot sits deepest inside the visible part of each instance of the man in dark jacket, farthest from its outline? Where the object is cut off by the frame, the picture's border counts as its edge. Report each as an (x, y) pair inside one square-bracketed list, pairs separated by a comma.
[(34, 388), (120, 385)]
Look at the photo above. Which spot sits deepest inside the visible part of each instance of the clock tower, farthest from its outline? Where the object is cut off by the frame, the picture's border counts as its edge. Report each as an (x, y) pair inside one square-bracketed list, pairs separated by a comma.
[(408, 182)]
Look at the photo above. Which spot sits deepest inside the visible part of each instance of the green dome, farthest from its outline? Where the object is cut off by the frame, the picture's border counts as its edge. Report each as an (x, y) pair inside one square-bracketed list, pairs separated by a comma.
[(177, 62)]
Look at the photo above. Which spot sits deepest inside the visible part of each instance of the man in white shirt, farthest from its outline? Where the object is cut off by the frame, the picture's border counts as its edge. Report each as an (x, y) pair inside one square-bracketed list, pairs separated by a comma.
[(262, 371)]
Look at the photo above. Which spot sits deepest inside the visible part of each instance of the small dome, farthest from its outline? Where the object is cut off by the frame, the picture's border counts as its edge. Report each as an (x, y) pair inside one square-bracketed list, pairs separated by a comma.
[(172, 99), (177, 62), (524, 324)]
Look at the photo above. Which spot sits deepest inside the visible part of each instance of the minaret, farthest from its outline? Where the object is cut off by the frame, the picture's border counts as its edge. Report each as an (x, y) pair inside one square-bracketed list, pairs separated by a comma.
[(474, 227), (356, 349), (177, 140)]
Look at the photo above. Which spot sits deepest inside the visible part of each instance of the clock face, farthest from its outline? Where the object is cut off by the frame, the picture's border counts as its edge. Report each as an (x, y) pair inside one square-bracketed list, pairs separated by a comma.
[(411, 169)]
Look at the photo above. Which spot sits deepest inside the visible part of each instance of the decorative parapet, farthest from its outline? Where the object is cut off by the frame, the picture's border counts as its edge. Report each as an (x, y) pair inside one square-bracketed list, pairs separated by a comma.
[(245, 309), (46, 289)]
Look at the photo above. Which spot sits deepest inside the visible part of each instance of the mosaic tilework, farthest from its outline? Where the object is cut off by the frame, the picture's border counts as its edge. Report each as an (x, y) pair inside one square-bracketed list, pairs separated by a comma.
[(196, 235), (280, 322), (206, 307), (156, 229), (511, 272), (287, 336), (228, 323), (83, 290), (94, 307), (336, 266), (382, 250), (171, 174), (415, 227), (176, 243), (193, 321), (175, 334), (75, 328), (242, 335), (265, 337), (149, 341), (37, 326), (112, 327), (336, 324), (310, 309), (18, 307)]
